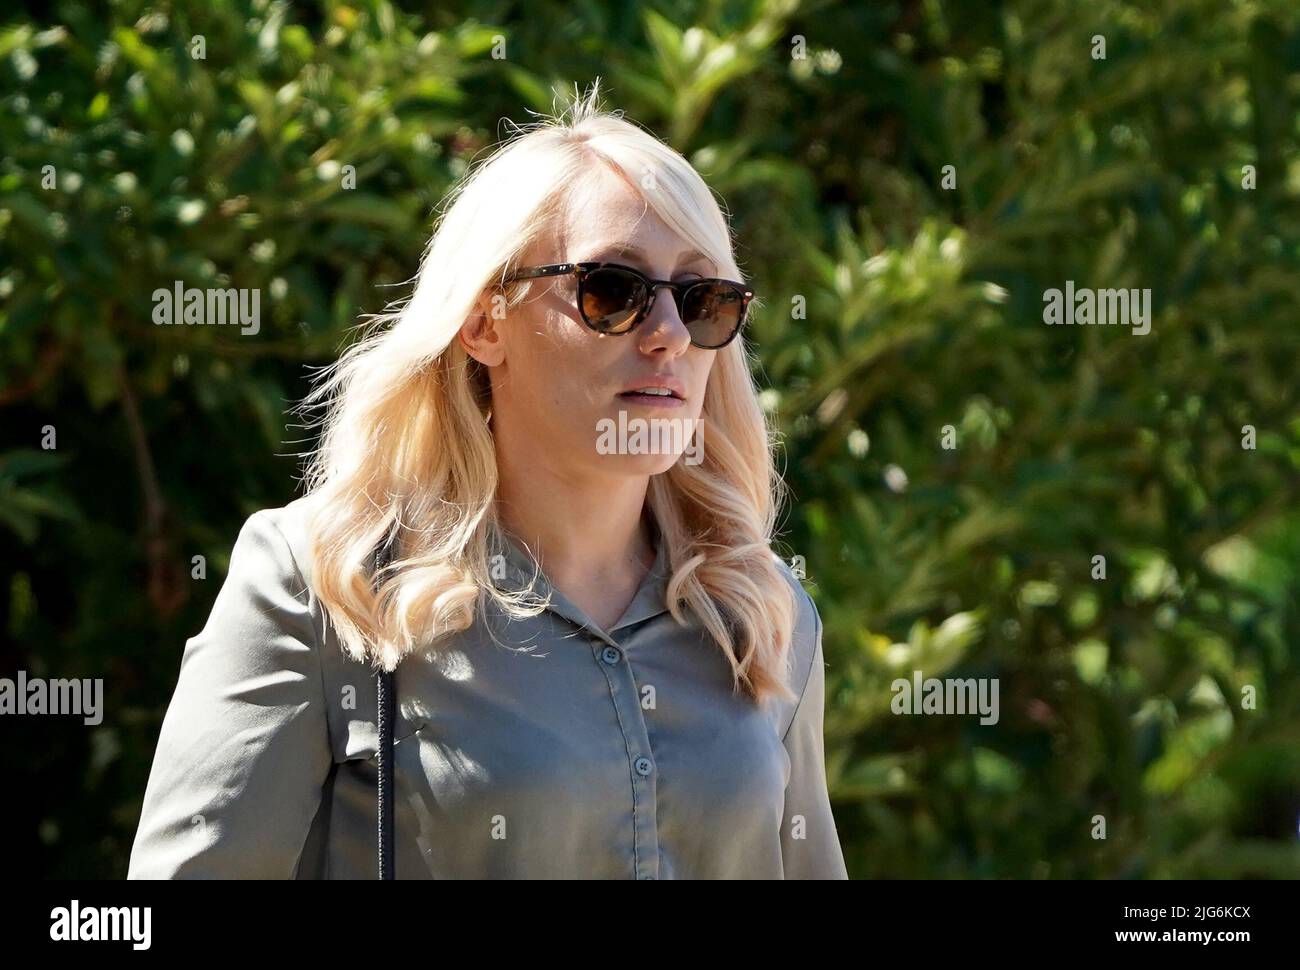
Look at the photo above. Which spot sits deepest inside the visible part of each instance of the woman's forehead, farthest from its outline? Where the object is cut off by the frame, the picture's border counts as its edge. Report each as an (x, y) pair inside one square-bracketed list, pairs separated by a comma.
[(680, 254), (605, 217), (612, 210), (614, 221)]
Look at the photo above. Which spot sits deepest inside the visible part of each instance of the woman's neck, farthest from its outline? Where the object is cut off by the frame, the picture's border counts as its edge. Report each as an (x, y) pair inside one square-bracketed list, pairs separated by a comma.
[(587, 533)]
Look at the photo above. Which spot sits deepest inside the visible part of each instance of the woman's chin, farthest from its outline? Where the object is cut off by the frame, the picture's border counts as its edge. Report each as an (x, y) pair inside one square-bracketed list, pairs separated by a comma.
[(633, 445), (637, 465)]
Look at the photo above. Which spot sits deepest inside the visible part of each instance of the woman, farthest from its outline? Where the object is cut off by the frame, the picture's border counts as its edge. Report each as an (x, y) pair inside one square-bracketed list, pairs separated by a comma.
[(602, 670)]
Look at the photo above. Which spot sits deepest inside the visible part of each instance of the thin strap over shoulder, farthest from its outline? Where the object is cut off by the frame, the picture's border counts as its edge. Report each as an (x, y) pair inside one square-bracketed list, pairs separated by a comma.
[(386, 696)]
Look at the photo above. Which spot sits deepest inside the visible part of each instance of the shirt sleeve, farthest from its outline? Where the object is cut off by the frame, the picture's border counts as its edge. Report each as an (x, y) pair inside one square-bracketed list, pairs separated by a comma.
[(810, 845), (244, 748)]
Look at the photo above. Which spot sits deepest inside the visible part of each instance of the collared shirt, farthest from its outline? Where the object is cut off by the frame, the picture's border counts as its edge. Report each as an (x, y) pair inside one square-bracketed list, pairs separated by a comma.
[(538, 748)]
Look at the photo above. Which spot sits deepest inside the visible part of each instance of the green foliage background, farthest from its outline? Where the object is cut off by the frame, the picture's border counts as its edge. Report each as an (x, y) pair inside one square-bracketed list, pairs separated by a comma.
[(1120, 697)]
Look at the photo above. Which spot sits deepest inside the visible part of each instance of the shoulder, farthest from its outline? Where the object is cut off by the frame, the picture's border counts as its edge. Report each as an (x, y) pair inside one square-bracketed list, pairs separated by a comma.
[(287, 529), (263, 618), (269, 559), (805, 642)]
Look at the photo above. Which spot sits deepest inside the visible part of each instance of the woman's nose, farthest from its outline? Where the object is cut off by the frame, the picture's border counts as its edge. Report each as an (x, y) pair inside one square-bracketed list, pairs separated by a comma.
[(663, 325)]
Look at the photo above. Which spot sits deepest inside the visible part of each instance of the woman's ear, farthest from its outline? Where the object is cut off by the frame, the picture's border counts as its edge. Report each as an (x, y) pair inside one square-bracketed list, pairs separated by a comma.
[(481, 334)]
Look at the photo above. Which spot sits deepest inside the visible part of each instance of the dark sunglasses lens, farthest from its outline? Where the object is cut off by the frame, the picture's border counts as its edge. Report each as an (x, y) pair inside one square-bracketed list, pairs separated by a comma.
[(611, 299), (712, 313)]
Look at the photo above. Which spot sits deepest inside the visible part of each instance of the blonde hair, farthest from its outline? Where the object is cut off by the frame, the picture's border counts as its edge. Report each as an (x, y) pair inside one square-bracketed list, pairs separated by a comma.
[(406, 449)]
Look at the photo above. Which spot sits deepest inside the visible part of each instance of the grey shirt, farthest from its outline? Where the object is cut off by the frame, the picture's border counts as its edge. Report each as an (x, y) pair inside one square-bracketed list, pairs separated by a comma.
[(541, 748)]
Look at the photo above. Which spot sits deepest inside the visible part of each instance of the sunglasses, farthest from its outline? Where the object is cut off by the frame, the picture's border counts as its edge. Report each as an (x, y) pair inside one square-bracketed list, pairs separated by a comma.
[(614, 299)]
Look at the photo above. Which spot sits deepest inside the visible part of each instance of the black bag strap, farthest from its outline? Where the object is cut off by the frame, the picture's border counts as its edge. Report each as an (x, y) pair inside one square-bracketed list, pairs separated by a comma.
[(386, 694)]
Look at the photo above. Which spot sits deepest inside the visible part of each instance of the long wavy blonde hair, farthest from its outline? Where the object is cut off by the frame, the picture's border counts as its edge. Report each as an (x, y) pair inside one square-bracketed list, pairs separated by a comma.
[(406, 450)]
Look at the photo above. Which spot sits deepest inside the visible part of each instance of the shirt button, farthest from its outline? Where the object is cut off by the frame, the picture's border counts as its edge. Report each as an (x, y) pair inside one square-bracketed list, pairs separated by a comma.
[(610, 655), (642, 766)]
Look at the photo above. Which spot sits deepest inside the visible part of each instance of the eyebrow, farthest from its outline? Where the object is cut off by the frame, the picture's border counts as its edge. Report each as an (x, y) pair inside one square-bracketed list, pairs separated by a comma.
[(633, 252)]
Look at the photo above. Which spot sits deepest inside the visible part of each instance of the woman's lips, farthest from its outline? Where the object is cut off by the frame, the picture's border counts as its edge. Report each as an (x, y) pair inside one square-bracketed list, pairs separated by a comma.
[(652, 400)]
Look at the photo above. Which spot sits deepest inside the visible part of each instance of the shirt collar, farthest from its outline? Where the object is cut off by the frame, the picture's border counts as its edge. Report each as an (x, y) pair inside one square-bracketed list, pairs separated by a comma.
[(522, 570)]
